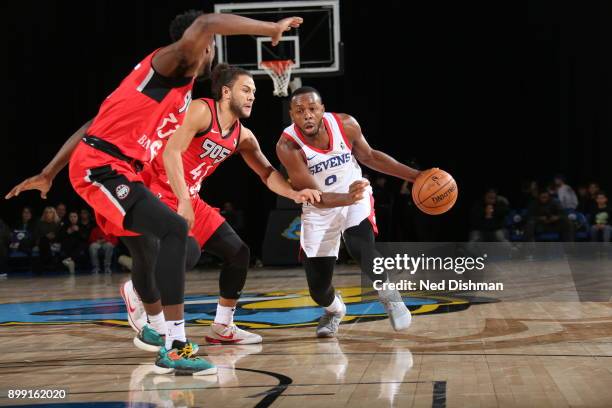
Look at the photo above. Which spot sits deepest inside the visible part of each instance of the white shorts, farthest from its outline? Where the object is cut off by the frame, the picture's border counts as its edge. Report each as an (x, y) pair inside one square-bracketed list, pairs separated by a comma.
[(322, 227)]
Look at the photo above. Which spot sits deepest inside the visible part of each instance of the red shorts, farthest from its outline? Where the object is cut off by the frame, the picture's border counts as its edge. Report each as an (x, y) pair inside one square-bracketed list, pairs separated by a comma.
[(207, 218), (110, 186)]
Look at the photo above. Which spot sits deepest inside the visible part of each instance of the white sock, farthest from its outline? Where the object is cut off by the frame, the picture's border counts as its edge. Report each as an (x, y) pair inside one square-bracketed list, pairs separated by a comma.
[(176, 331), (225, 315), (336, 307), (157, 323)]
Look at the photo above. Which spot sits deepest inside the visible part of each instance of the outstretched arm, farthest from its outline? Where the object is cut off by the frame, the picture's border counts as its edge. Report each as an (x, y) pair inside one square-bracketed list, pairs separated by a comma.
[(181, 58), (44, 179), (198, 117), (257, 161), (290, 156), (374, 159)]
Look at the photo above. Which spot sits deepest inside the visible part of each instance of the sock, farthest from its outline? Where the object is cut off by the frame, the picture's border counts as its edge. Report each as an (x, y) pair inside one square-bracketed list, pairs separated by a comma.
[(225, 315), (176, 331), (157, 323), (336, 307)]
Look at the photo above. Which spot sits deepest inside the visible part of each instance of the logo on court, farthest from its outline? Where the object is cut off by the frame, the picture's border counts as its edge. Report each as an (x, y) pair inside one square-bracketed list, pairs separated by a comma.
[(122, 191), (278, 309)]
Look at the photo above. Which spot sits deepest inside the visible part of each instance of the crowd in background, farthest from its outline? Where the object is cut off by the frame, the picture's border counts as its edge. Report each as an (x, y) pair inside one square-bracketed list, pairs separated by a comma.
[(69, 240)]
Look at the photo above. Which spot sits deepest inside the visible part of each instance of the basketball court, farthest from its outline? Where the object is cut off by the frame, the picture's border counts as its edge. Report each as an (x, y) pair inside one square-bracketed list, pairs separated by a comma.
[(460, 351)]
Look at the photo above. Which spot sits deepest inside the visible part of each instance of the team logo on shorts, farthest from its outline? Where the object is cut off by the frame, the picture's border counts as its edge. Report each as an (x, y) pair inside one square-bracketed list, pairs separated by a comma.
[(122, 191)]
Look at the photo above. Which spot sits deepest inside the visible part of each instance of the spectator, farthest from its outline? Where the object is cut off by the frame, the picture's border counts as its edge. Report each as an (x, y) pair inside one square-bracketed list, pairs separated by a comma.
[(22, 238), (98, 240), (546, 216), (72, 240), (85, 223), (565, 194), (593, 190), (235, 218), (5, 235), (61, 213), (529, 193), (487, 219), (584, 200), (47, 238), (601, 219)]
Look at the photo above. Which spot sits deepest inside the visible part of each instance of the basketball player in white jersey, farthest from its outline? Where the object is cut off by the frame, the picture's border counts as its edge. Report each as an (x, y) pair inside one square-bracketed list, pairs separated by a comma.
[(321, 150)]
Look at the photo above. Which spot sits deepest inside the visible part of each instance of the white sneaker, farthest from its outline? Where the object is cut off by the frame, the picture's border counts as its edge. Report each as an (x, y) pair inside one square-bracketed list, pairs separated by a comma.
[(137, 318), (125, 261), (399, 315), (69, 263), (222, 334), (329, 322)]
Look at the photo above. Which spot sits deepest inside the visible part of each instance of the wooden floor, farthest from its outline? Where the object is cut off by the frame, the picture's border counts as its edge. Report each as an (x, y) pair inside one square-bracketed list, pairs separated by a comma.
[(70, 333)]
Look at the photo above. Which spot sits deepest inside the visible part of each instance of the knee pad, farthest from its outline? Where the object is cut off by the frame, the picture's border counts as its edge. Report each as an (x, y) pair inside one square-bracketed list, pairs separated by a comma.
[(234, 271), (192, 254)]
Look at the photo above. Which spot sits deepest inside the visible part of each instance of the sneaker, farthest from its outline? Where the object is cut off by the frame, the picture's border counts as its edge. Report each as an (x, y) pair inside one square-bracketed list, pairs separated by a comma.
[(69, 263), (108, 270), (125, 261), (149, 340), (399, 315), (95, 270), (329, 322), (181, 360), (222, 334), (137, 318)]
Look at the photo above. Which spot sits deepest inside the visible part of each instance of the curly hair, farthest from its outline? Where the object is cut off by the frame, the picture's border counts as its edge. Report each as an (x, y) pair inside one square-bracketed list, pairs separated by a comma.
[(181, 22)]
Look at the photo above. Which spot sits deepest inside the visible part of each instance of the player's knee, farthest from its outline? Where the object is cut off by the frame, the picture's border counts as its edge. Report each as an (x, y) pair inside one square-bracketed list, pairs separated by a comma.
[(192, 255), (176, 225), (242, 256), (233, 275)]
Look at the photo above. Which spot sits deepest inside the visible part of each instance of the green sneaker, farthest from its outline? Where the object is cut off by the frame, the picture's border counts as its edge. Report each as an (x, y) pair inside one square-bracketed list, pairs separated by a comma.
[(149, 340), (181, 360)]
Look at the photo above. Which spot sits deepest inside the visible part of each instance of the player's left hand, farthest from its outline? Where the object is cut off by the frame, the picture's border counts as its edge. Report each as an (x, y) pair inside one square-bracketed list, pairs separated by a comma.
[(285, 24), (41, 182), (307, 195), (185, 210)]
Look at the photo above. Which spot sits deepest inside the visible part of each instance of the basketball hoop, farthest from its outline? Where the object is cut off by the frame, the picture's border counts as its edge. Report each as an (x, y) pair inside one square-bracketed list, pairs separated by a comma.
[(280, 72)]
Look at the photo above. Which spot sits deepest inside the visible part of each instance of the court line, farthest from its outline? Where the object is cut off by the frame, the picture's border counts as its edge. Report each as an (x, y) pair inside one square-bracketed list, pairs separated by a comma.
[(21, 364)]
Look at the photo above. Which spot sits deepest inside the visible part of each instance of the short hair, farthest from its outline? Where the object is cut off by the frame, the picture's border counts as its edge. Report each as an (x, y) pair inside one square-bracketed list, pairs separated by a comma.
[(181, 22), (225, 75), (305, 90)]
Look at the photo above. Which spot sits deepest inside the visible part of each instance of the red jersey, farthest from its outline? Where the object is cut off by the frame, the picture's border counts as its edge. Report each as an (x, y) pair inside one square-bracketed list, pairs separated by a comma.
[(143, 111), (208, 149)]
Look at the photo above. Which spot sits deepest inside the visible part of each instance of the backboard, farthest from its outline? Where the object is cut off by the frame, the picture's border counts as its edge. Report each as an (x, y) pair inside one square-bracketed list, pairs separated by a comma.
[(315, 47)]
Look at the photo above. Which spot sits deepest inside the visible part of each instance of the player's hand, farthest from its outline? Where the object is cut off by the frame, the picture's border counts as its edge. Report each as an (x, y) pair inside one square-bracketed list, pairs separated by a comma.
[(185, 210), (357, 190), (307, 195), (285, 24), (41, 182)]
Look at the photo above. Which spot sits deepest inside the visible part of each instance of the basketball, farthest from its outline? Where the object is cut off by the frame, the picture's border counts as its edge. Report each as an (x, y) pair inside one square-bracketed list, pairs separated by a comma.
[(434, 192)]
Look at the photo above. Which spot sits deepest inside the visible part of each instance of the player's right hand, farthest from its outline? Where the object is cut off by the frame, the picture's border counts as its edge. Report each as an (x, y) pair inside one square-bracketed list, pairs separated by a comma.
[(357, 190), (41, 182), (185, 210), (283, 25)]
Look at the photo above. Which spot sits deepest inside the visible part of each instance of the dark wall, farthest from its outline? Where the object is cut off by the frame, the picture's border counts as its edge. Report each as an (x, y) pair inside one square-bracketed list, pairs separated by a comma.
[(491, 92)]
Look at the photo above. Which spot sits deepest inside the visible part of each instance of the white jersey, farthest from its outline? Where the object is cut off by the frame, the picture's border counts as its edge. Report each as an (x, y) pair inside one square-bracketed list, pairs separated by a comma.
[(335, 169)]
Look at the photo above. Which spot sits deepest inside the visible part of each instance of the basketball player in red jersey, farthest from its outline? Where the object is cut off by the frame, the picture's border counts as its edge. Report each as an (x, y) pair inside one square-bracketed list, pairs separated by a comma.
[(211, 133), (126, 135), (321, 150)]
